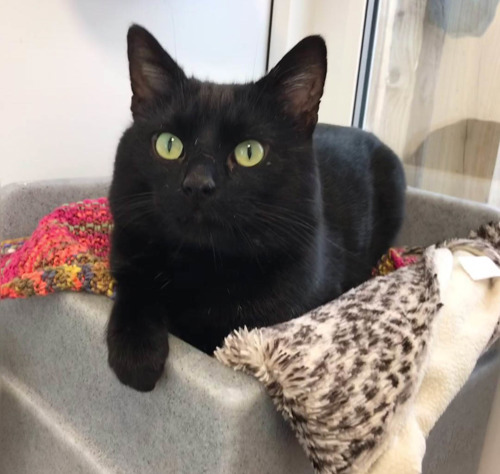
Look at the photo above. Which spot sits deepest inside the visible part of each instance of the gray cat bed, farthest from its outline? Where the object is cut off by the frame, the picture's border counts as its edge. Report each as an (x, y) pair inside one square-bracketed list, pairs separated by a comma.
[(62, 409)]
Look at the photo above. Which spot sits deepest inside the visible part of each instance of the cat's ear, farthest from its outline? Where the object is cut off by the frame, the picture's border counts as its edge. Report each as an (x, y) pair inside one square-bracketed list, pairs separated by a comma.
[(153, 73), (298, 80)]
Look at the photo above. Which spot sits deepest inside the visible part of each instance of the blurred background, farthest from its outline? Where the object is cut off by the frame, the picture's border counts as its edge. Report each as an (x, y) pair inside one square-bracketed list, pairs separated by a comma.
[(424, 75)]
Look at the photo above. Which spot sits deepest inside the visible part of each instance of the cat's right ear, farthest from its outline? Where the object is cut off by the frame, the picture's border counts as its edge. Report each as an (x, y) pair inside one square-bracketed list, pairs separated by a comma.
[(153, 73)]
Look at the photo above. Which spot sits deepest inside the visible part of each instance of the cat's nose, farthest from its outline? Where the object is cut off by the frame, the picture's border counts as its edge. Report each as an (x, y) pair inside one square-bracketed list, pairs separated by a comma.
[(199, 181)]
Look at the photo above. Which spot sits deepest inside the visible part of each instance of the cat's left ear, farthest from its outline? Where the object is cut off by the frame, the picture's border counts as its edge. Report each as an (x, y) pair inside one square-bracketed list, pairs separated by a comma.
[(298, 81), (153, 73)]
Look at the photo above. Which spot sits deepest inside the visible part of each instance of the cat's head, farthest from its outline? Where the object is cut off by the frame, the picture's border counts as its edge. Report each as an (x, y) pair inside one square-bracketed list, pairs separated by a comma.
[(220, 165)]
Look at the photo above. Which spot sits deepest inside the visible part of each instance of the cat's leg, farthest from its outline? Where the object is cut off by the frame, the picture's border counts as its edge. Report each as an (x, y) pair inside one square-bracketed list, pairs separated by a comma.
[(137, 336)]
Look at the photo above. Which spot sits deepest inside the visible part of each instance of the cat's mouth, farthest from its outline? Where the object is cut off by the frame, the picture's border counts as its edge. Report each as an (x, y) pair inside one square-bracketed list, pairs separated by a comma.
[(202, 230)]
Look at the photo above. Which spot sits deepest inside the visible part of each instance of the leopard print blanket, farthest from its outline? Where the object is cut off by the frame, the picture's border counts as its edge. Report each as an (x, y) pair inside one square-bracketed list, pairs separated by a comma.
[(347, 374)]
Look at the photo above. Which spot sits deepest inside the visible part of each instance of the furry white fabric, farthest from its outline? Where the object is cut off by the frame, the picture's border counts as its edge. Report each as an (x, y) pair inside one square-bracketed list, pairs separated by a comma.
[(363, 379), (462, 330)]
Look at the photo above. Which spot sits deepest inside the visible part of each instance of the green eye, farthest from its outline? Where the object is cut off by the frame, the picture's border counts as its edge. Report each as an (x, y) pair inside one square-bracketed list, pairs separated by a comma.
[(249, 153), (168, 146)]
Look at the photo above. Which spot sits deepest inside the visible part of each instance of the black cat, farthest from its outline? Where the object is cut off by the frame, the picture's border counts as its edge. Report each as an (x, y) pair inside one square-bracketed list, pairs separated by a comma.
[(232, 208)]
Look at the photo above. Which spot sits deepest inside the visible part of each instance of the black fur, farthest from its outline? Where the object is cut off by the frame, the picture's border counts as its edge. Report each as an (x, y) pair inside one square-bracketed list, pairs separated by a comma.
[(259, 245)]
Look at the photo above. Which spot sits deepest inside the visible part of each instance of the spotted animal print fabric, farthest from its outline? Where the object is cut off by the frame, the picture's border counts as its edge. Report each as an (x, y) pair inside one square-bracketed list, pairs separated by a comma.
[(343, 374)]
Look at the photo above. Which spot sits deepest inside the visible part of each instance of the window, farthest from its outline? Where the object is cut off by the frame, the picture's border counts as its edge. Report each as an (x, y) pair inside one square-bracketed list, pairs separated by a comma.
[(433, 93)]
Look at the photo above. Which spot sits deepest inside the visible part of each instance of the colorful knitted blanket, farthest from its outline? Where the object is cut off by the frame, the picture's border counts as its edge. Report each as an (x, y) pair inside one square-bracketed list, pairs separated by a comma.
[(69, 251)]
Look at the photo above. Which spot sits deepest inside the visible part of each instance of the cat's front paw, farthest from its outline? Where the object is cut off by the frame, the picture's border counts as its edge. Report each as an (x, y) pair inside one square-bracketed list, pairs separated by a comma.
[(138, 360)]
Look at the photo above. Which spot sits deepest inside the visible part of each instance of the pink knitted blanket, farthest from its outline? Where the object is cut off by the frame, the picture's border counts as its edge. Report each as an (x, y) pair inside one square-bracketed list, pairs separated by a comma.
[(67, 251)]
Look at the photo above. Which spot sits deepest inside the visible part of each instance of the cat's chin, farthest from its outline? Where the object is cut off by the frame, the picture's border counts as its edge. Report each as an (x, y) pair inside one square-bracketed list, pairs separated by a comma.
[(205, 235)]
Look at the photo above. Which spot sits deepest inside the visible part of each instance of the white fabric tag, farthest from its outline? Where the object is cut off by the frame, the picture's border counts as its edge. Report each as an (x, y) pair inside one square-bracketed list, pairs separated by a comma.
[(479, 268)]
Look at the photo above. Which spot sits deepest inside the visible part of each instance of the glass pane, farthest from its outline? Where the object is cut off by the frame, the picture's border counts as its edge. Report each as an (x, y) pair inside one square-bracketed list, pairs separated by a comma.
[(434, 93)]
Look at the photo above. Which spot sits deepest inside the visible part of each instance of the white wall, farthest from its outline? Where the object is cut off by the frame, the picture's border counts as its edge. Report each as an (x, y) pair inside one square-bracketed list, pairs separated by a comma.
[(341, 23), (64, 87)]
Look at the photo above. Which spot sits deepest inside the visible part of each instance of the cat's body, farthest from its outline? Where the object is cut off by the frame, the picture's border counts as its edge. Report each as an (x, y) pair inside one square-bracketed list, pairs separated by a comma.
[(203, 245)]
